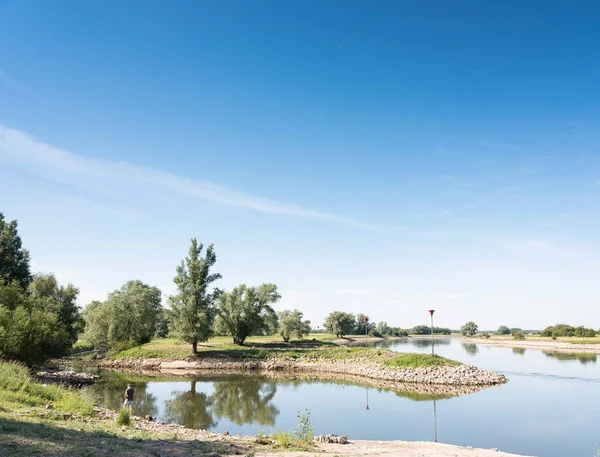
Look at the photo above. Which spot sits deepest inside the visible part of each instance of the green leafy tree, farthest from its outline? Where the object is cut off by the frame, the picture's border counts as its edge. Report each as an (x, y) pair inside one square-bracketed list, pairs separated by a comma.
[(162, 323), (127, 318), (469, 329), (562, 330), (247, 311), (340, 323), (59, 300), (14, 259), (383, 328), (503, 330), (193, 307), (28, 332), (421, 330), (291, 324), (359, 328)]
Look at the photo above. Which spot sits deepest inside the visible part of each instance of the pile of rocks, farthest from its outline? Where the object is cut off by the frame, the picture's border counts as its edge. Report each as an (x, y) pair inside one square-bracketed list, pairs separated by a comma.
[(332, 439), (70, 378), (459, 375)]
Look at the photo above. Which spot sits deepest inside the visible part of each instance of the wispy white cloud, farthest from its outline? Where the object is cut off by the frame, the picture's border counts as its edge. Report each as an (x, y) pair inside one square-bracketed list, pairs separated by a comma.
[(104, 176)]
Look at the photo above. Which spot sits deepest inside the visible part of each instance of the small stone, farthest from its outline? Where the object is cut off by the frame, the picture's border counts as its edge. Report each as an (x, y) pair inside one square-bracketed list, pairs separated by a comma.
[(49, 406)]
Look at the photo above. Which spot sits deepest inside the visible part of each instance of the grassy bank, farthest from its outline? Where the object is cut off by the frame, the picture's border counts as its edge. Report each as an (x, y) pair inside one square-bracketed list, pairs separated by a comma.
[(70, 426), (268, 348), (18, 391)]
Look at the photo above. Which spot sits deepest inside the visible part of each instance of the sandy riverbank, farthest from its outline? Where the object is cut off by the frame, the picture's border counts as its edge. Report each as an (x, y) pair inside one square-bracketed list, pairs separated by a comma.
[(392, 449), (234, 445), (554, 346)]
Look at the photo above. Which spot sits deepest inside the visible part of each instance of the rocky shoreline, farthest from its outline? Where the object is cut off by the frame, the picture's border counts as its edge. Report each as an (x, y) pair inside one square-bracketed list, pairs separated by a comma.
[(69, 378), (460, 375), (428, 390)]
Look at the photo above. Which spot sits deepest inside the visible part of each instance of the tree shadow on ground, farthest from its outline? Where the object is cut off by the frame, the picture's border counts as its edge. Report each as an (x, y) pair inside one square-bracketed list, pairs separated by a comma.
[(257, 350), (24, 439)]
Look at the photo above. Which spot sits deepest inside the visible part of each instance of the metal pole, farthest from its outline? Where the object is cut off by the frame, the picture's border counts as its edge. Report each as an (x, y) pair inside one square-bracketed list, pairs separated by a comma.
[(434, 422), (432, 341)]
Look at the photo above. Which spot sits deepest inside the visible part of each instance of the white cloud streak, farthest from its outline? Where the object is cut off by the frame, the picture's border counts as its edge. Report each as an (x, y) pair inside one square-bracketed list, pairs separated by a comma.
[(111, 176)]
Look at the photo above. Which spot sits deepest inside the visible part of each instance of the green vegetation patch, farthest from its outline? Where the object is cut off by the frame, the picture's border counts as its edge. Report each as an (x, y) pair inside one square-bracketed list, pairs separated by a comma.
[(18, 390), (262, 349), (420, 361)]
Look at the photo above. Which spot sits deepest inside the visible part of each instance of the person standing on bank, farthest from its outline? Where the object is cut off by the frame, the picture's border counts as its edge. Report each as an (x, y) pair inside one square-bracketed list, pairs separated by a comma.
[(129, 398)]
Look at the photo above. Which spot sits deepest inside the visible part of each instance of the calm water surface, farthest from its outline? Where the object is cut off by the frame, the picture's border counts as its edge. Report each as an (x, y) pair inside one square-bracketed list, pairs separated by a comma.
[(549, 408)]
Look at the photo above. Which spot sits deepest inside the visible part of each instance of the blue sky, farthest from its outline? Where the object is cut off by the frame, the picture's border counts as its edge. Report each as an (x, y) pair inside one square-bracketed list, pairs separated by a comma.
[(379, 157)]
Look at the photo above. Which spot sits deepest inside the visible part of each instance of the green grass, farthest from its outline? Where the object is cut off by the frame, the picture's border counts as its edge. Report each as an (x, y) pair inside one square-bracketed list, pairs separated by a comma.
[(273, 349), (420, 361), (70, 427), (299, 439), (594, 340), (171, 348), (19, 391)]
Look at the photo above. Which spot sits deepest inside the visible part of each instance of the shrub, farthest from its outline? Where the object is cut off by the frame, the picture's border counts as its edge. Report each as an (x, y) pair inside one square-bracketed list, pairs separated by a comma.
[(486, 335), (123, 418), (301, 437), (589, 333), (518, 335), (503, 330), (554, 335)]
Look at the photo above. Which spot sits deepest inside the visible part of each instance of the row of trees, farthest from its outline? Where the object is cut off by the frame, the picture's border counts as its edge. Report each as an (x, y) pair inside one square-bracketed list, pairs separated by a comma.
[(133, 315), (557, 330), (341, 323), (40, 319)]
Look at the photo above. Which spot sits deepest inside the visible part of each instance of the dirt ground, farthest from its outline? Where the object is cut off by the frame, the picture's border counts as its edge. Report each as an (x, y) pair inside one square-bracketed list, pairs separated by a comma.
[(391, 449)]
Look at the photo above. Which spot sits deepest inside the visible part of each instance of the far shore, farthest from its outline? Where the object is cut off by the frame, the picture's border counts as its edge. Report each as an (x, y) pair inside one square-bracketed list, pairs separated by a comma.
[(547, 345)]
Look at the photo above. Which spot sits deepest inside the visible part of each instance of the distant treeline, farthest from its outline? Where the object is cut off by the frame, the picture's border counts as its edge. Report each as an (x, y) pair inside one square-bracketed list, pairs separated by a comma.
[(341, 323), (557, 330)]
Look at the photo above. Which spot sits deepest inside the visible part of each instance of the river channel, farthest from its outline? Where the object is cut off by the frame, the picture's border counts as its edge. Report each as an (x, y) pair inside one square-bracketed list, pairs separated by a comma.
[(549, 408)]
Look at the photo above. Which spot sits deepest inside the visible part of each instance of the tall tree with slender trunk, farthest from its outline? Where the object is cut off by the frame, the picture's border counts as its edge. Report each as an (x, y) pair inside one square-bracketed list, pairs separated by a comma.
[(193, 307), (14, 259)]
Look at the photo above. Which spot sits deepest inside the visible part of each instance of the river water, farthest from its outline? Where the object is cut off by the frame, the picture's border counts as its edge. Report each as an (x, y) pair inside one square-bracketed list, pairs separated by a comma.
[(549, 408)]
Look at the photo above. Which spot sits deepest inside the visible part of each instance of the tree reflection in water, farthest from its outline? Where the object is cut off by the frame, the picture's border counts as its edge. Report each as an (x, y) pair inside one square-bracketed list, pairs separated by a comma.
[(471, 348), (111, 393), (425, 342), (583, 358), (190, 408), (518, 351), (245, 400)]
